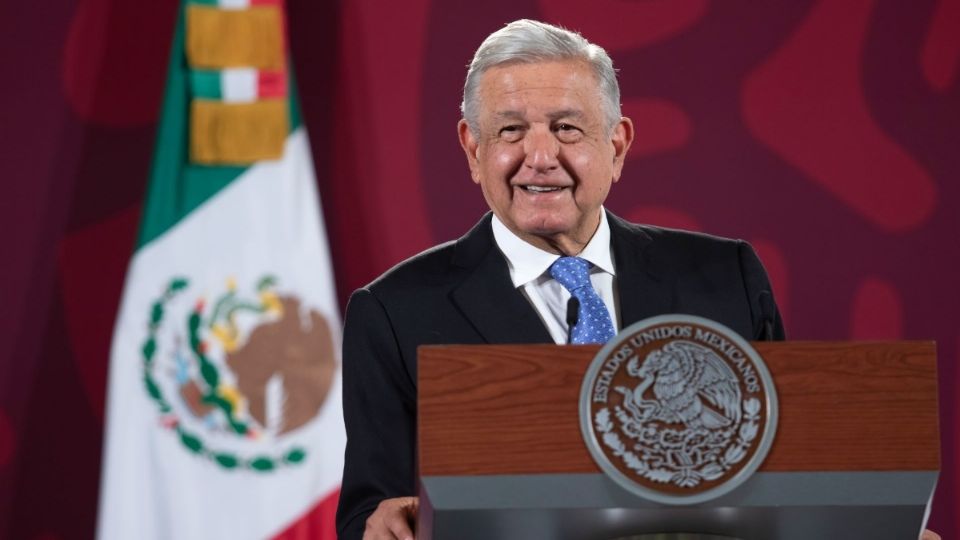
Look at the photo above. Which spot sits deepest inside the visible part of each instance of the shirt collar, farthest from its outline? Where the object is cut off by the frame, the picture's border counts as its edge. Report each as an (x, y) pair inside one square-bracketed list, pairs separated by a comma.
[(528, 262)]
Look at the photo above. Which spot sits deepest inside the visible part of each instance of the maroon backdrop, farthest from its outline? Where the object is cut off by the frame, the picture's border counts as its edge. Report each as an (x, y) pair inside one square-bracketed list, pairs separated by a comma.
[(823, 132)]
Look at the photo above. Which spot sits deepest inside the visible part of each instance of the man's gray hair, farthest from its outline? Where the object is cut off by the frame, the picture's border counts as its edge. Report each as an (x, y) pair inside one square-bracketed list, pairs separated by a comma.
[(528, 42)]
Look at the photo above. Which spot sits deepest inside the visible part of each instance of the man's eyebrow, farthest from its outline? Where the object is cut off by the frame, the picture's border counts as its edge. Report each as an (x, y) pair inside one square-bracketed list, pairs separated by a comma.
[(509, 115), (566, 113)]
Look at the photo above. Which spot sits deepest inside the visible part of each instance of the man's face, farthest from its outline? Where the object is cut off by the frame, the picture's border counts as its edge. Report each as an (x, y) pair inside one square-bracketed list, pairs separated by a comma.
[(544, 155)]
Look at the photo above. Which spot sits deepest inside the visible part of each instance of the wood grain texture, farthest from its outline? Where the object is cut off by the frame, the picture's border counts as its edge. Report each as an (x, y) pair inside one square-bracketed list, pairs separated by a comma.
[(513, 409)]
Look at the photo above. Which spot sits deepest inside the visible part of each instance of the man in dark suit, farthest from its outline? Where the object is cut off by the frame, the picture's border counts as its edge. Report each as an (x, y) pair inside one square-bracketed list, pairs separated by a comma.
[(544, 140)]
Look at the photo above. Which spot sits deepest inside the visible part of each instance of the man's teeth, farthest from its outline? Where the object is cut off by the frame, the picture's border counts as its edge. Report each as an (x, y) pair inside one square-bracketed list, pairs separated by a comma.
[(542, 189)]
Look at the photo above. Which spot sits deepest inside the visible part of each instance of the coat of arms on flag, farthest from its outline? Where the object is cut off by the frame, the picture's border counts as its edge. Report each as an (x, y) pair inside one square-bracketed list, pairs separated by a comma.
[(236, 369)]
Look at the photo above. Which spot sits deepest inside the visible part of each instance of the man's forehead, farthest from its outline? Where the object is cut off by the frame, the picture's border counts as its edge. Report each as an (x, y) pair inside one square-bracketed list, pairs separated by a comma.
[(521, 114), (555, 88)]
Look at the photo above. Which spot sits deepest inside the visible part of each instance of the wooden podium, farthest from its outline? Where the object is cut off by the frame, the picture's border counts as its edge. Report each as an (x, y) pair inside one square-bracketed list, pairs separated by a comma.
[(501, 456)]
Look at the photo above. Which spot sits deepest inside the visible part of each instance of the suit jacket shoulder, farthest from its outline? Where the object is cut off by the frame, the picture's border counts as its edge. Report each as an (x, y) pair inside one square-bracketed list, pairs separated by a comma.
[(661, 270)]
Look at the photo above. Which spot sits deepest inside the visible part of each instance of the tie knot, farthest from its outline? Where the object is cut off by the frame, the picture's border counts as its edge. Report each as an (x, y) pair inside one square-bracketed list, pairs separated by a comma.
[(572, 272)]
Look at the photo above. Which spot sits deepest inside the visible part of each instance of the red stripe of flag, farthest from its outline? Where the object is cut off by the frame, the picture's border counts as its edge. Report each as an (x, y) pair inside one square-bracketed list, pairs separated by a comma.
[(272, 84), (318, 524)]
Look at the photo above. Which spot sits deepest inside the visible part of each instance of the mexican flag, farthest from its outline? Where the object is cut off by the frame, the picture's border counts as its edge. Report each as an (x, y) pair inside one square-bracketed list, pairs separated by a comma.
[(223, 415)]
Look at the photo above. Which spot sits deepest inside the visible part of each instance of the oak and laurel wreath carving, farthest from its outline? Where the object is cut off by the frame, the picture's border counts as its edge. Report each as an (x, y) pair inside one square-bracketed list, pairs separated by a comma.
[(683, 476), (211, 376)]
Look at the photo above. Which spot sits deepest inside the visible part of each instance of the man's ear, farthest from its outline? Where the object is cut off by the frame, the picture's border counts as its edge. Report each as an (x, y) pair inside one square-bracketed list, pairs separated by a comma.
[(622, 138), (470, 145)]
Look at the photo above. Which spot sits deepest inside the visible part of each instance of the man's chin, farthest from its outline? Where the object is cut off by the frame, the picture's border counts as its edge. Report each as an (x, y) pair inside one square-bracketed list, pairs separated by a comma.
[(544, 230), (563, 233), (549, 224), (547, 234)]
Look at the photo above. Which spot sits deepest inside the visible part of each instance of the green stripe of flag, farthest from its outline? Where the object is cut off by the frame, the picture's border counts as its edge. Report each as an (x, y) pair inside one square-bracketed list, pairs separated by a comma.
[(205, 83)]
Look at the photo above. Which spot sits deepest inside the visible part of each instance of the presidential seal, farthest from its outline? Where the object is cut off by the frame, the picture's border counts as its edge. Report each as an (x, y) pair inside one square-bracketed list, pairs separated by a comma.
[(678, 409)]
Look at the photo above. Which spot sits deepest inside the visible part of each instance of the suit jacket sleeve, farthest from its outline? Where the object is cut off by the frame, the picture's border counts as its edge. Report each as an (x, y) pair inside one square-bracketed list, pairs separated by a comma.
[(767, 323), (379, 408)]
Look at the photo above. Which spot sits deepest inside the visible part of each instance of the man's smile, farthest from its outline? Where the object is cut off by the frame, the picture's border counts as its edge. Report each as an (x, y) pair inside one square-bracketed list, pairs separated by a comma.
[(541, 189)]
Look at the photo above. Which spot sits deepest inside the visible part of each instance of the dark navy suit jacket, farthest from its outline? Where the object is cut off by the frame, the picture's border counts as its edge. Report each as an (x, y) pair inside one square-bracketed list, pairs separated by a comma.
[(461, 293)]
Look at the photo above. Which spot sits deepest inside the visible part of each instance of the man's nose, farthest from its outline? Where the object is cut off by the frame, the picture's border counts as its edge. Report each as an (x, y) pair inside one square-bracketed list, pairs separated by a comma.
[(541, 149)]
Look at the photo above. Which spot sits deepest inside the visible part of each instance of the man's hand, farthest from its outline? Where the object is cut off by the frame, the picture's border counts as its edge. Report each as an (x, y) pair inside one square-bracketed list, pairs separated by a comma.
[(929, 535), (392, 520)]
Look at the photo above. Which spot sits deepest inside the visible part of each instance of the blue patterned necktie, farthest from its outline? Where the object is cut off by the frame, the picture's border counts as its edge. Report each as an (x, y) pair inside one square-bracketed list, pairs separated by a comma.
[(593, 319)]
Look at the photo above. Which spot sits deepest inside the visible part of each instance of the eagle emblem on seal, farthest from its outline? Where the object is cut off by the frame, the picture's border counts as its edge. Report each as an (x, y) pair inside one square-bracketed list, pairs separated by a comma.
[(691, 385)]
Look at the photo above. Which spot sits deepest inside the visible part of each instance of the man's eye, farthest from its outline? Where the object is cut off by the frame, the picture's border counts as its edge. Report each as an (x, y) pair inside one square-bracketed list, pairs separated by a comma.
[(568, 132), (511, 133)]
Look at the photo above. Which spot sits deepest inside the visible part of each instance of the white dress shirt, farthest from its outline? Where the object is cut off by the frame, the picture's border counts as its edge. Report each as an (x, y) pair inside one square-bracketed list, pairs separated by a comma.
[(530, 272)]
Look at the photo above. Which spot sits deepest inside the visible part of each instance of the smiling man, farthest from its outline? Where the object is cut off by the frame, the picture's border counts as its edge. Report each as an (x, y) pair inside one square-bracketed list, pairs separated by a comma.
[(545, 141)]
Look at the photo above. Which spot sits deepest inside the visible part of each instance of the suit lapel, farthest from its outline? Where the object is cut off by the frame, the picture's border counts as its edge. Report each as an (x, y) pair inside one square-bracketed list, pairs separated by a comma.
[(487, 297), (642, 290)]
